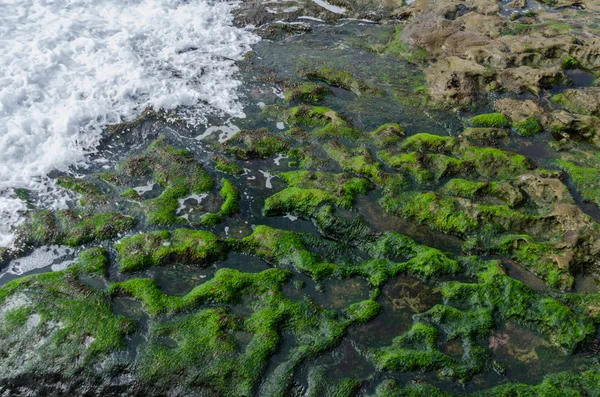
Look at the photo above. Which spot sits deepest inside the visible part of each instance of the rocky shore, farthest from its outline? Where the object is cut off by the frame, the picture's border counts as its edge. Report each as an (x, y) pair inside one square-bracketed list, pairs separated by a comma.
[(410, 208)]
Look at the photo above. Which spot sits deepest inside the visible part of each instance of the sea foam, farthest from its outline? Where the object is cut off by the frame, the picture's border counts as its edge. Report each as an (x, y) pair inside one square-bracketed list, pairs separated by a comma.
[(70, 67)]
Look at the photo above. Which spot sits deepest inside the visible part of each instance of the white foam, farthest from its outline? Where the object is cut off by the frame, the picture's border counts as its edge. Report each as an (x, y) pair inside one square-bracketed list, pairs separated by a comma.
[(268, 176), (330, 7), (226, 132), (70, 67), (198, 198), (54, 255), (277, 160)]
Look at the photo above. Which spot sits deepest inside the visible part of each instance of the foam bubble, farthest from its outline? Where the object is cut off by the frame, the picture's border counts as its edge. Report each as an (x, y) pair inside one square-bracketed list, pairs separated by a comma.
[(70, 67)]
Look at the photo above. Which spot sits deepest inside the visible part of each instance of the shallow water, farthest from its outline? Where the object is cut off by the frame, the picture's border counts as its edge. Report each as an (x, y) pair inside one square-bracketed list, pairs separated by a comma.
[(527, 355)]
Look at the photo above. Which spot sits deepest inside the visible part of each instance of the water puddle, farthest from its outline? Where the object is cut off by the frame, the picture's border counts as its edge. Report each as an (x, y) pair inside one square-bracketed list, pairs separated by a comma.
[(401, 297), (41, 260)]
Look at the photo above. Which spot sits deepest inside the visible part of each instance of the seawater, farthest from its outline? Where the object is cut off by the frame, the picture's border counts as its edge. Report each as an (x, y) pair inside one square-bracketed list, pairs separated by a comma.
[(68, 68)]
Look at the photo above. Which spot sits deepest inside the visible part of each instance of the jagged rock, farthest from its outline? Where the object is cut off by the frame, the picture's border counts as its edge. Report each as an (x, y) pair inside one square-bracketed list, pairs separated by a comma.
[(489, 25), (518, 4), (459, 43), (582, 100), (525, 78), (518, 110), (455, 80), (429, 31), (565, 125)]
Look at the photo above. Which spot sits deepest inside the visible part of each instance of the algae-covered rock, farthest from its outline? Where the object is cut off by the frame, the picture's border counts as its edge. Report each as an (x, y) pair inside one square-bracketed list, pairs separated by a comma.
[(54, 325), (228, 166), (72, 227), (581, 101), (175, 170), (338, 78), (141, 251), (309, 191), (252, 144), (306, 92), (388, 134), (576, 127)]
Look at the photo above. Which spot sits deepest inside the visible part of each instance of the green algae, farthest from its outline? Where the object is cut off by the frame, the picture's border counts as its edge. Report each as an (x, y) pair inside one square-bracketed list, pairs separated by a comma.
[(361, 162), (440, 212), (327, 122), (287, 249), (90, 193), (306, 92), (338, 78), (230, 206), (175, 170), (132, 194), (309, 191), (141, 251), (253, 144), (529, 127), (490, 120), (561, 384), (71, 322), (464, 188), (72, 227), (205, 348), (535, 256), (495, 163), (228, 166), (585, 180), (424, 142)]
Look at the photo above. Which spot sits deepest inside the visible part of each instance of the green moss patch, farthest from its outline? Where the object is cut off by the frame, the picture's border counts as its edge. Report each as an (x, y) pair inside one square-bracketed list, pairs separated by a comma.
[(141, 251), (490, 120), (72, 227)]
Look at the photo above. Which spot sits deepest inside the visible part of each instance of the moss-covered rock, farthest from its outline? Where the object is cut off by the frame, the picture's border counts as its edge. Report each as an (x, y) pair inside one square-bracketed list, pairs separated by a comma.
[(491, 120), (529, 127), (388, 135), (253, 144), (175, 170), (228, 166), (72, 227), (326, 122), (54, 323), (309, 191), (141, 251), (338, 78), (306, 92)]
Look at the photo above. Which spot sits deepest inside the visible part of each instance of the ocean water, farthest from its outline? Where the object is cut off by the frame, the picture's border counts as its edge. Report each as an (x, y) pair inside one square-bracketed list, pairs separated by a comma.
[(70, 67)]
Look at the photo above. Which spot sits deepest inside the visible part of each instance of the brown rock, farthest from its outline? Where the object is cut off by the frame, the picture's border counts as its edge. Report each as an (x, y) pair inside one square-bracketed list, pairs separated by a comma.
[(583, 100), (525, 78), (518, 4), (455, 81), (429, 31), (489, 25), (518, 110), (579, 127)]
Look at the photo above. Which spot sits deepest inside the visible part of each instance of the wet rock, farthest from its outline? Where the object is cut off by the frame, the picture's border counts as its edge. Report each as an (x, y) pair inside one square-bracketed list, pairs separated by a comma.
[(584, 101), (518, 4), (518, 110), (488, 25), (485, 134), (429, 31), (525, 78), (577, 127), (467, 42), (455, 81)]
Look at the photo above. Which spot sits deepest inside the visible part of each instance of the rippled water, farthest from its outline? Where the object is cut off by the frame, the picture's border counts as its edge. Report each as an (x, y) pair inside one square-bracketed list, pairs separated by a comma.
[(70, 67)]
